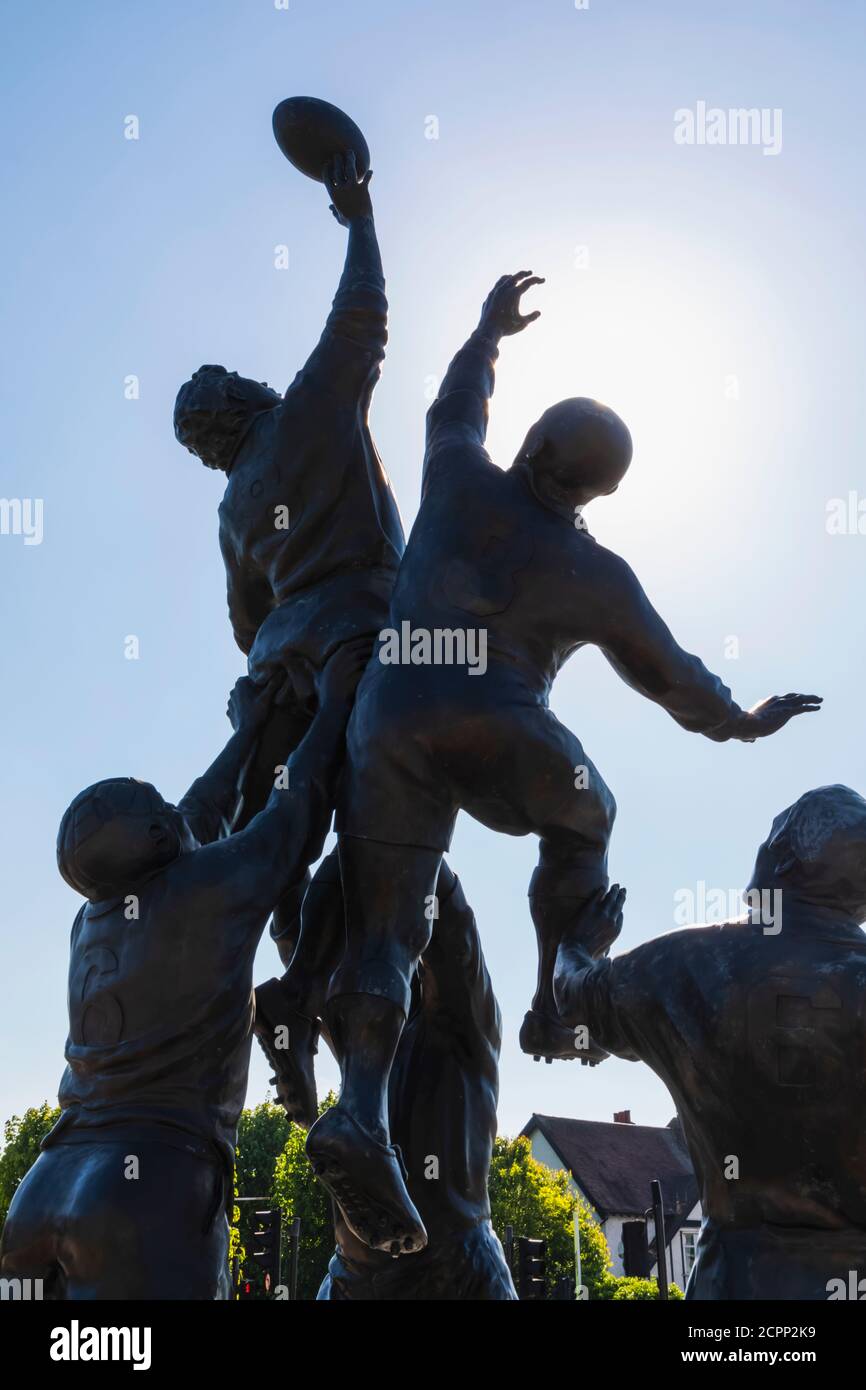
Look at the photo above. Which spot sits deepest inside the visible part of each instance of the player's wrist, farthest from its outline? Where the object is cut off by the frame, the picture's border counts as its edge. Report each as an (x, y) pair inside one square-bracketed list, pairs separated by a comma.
[(488, 334), (742, 727), (489, 326), (358, 217)]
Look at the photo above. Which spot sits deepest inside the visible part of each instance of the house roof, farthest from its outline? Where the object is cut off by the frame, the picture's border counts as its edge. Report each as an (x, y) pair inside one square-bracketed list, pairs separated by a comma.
[(614, 1164)]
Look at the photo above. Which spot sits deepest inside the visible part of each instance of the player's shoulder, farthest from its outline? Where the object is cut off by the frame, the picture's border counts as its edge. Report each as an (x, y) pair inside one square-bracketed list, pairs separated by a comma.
[(77, 923), (459, 461), (612, 568), (690, 941)]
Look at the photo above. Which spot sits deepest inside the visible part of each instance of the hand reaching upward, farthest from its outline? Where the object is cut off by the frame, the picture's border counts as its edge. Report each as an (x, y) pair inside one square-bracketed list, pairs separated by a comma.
[(500, 314)]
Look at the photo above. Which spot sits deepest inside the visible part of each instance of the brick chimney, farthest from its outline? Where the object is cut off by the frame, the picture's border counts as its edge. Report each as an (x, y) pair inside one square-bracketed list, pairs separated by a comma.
[(622, 1117)]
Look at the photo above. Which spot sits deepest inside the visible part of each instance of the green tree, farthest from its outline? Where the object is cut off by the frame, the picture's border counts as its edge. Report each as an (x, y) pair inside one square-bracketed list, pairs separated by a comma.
[(236, 1248), (22, 1137), (299, 1193), (617, 1290), (538, 1202), (262, 1135)]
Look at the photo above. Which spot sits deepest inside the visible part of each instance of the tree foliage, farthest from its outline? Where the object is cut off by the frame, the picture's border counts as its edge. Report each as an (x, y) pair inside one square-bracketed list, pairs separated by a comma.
[(629, 1287), (262, 1135), (538, 1202), (299, 1193)]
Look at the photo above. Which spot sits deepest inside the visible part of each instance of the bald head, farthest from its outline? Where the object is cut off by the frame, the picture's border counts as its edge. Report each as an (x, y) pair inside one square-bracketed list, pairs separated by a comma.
[(113, 835), (817, 849), (576, 451)]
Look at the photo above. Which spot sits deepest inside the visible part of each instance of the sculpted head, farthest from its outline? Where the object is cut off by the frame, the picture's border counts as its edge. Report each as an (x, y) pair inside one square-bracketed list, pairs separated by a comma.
[(214, 410), (116, 834), (816, 851), (576, 451)]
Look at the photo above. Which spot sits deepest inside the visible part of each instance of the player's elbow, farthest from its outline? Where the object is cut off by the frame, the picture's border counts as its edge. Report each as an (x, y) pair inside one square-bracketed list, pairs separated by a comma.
[(245, 637)]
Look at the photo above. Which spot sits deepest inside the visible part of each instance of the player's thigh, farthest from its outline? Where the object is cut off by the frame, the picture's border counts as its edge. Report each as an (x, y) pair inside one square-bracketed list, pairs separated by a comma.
[(30, 1240), (387, 891), (146, 1221), (395, 787), (535, 777)]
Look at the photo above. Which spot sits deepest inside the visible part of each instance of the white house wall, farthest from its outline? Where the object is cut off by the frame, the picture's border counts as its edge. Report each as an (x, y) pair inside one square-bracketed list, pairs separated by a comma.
[(612, 1226)]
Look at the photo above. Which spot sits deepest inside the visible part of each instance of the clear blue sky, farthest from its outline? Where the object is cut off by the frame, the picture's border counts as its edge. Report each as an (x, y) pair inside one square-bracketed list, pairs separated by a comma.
[(717, 307)]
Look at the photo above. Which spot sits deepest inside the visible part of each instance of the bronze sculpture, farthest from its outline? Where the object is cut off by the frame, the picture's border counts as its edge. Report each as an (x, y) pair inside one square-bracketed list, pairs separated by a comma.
[(128, 1198), (497, 551), (757, 1029), (310, 531), (442, 1100), (500, 584)]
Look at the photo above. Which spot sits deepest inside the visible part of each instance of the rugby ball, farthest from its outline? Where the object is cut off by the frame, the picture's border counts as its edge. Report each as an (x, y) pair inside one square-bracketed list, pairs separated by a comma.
[(310, 132)]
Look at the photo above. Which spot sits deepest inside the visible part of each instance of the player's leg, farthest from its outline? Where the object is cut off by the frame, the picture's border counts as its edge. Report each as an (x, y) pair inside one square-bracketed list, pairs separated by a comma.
[(120, 1221), (320, 943), (572, 866), (388, 891), (395, 817), (145, 1221), (283, 730), (310, 937), (483, 1275), (30, 1242), (525, 772)]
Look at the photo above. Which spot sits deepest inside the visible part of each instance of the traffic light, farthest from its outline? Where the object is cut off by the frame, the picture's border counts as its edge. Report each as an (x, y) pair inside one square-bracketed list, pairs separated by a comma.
[(266, 1245), (531, 1268)]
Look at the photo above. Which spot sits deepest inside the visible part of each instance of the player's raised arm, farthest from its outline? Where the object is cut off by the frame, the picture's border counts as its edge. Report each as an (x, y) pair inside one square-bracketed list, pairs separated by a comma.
[(213, 801), (464, 396), (252, 869), (642, 650), (595, 993), (348, 357)]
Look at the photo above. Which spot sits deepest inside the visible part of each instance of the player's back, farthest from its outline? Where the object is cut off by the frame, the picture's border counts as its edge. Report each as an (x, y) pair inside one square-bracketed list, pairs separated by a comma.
[(761, 1037), (485, 553), (160, 1013)]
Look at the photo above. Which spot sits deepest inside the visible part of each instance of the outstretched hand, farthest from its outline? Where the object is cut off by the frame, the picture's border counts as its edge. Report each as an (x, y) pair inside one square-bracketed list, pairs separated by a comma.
[(350, 197), (770, 715), (500, 314)]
